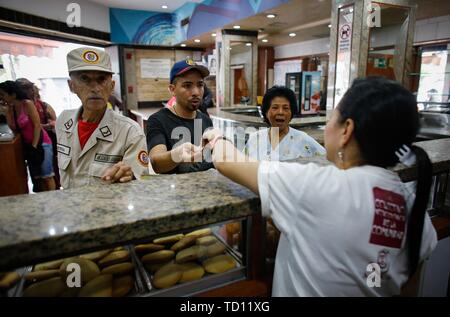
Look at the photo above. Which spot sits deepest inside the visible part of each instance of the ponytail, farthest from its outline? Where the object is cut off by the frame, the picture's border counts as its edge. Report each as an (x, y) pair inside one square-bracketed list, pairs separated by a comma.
[(417, 216)]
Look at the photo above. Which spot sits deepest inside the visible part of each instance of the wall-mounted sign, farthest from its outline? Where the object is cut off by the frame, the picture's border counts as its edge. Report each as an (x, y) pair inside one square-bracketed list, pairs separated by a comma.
[(155, 68), (344, 52)]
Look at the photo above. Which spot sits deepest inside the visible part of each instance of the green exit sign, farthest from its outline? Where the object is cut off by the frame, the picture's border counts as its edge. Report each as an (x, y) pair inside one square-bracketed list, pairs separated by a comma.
[(380, 63)]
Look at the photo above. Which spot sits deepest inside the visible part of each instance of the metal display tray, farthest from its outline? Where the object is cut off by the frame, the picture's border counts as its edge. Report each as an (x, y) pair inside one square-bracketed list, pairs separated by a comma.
[(207, 282), (137, 290)]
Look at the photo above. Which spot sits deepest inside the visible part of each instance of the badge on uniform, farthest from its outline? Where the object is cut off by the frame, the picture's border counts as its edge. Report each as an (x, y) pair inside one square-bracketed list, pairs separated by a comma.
[(68, 124), (143, 158), (105, 131), (63, 149), (105, 158)]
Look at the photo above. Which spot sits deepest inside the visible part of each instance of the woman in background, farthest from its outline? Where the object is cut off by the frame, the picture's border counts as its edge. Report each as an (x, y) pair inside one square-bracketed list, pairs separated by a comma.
[(24, 118), (280, 142)]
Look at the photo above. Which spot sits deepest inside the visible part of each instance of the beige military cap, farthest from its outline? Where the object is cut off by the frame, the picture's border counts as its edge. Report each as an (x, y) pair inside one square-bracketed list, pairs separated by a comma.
[(87, 58)]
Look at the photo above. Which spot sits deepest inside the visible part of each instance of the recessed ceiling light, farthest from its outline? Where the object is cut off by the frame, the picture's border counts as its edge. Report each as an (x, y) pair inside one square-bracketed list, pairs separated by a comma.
[(236, 27), (197, 41), (265, 40), (164, 6), (329, 25), (213, 34), (183, 45), (271, 16), (248, 44), (292, 34)]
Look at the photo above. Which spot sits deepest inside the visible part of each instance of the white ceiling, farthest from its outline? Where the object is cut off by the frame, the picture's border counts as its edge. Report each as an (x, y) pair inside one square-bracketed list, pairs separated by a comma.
[(147, 5)]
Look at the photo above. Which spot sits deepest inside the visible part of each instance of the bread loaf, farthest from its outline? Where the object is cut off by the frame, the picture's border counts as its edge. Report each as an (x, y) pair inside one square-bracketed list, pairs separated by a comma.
[(200, 233), (207, 240), (169, 239), (52, 265), (52, 287), (167, 276), (101, 286), (183, 243), (114, 258), (119, 269), (190, 254), (9, 279), (219, 264), (95, 256), (215, 249), (191, 271), (148, 248), (158, 257), (88, 269), (122, 285), (40, 275)]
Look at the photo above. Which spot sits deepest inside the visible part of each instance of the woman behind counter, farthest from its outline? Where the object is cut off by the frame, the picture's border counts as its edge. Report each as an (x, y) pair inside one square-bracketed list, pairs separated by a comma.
[(24, 118), (280, 142), (363, 217)]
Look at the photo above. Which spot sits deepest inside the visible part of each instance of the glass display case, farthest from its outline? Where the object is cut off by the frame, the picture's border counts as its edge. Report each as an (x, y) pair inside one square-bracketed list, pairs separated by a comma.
[(181, 263)]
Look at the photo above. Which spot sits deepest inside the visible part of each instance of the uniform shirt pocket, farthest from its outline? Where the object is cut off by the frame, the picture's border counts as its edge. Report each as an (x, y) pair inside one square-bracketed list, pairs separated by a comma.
[(63, 162), (63, 165), (98, 169)]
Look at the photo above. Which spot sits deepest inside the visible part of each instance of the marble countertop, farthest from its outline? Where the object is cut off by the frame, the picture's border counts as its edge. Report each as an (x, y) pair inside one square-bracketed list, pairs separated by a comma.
[(56, 224), (44, 226)]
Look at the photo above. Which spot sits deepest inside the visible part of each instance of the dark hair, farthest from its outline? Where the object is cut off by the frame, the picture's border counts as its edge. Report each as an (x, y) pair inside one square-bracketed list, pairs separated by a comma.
[(385, 116), (11, 87), (278, 91)]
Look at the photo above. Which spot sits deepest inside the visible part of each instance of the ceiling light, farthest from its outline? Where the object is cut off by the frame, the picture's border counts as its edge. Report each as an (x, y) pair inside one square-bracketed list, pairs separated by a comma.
[(164, 6), (197, 41), (248, 44), (213, 34), (237, 27), (329, 25), (292, 34), (183, 45), (265, 40), (271, 16)]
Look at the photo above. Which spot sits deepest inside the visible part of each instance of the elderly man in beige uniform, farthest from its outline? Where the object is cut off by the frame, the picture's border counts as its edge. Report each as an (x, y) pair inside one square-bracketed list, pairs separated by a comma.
[(96, 143)]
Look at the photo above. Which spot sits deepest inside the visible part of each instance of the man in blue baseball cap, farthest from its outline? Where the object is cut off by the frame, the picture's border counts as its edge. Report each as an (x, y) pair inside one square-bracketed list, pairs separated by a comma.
[(174, 135)]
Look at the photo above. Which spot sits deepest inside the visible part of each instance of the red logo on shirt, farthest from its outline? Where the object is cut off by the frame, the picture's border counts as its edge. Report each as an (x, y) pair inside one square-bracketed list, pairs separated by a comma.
[(388, 226)]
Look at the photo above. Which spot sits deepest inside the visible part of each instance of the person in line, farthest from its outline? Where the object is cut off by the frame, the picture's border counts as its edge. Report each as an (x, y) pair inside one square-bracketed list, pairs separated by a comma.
[(47, 117), (280, 142), (174, 134), (95, 142), (37, 147), (341, 222)]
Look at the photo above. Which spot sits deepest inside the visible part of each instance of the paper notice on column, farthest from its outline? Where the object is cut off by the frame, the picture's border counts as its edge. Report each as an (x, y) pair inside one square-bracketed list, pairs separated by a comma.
[(155, 68)]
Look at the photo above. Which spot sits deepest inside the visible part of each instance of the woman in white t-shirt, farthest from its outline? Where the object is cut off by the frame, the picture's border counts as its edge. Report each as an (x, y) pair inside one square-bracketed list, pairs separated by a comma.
[(351, 228), (280, 142)]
